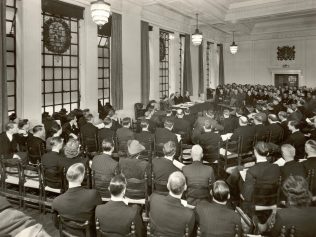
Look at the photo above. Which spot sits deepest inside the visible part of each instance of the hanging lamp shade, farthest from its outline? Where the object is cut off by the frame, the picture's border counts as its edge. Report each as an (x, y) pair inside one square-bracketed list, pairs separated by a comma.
[(233, 47), (100, 12), (197, 37)]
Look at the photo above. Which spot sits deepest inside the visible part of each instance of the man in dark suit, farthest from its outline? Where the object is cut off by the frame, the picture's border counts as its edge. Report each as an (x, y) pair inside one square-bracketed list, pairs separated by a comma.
[(70, 129), (103, 164), (106, 133), (89, 134), (283, 123), (133, 167), (209, 141), (115, 124), (182, 127), (178, 99), (215, 218), (152, 124), (198, 177), (77, 203), (262, 171), (163, 135), (310, 163), (162, 167), (189, 117), (168, 217), (230, 123), (262, 133), (36, 144), (145, 137), (291, 166), (125, 133), (246, 132), (116, 217), (8, 144), (294, 113), (275, 129), (50, 163), (210, 116), (296, 139)]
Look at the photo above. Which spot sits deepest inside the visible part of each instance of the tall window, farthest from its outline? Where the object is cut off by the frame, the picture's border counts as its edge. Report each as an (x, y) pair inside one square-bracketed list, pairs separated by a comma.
[(164, 64), (104, 70), (60, 71), (181, 55), (11, 54)]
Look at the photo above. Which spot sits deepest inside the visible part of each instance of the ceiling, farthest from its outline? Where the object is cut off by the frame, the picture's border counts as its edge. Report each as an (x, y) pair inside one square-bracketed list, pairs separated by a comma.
[(243, 16)]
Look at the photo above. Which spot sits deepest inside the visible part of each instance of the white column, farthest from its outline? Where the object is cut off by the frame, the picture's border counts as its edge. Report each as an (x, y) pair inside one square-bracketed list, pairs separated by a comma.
[(131, 37), (30, 100), (88, 68)]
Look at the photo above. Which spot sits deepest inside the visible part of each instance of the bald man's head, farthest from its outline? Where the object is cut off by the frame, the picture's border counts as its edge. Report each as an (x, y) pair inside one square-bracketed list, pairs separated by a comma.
[(197, 153)]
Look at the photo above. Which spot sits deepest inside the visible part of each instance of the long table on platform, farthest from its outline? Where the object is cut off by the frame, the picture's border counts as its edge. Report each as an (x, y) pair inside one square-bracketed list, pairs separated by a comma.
[(195, 107)]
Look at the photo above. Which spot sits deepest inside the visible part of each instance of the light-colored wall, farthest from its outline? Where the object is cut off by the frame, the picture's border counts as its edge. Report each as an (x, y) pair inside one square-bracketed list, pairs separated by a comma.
[(256, 58)]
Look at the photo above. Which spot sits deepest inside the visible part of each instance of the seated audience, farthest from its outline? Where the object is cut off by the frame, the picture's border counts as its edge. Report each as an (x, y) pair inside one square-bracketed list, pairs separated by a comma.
[(246, 132), (51, 162), (116, 217), (145, 137), (162, 167), (178, 99), (124, 134), (106, 133), (55, 131), (310, 163), (168, 217), (22, 134), (182, 127), (291, 166), (296, 139), (230, 123), (77, 203), (198, 177), (8, 143), (70, 128), (298, 212), (216, 218), (89, 134), (209, 140), (283, 122), (134, 167), (103, 165), (262, 171), (36, 145), (275, 129), (72, 155), (186, 97), (166, 134)]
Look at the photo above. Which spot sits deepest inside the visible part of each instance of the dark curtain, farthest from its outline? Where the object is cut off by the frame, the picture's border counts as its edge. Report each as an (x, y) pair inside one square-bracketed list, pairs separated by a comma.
[(116, 62), (187, 67), (201, 74), (145, 64), (3, 67), (221, 77)]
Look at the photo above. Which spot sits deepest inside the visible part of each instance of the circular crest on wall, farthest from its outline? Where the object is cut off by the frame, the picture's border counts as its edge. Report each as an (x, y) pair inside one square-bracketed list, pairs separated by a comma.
[(56, 35)]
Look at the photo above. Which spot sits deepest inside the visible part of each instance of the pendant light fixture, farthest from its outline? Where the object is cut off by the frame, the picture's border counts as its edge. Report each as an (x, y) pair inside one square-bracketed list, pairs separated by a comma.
[(233, 47), (100, 12), (197, 37)]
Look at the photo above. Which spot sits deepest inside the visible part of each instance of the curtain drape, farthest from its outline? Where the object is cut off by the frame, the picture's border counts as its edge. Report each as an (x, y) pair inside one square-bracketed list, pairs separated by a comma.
[(145, 63), (116, 62), (187, 67), (221, 77), (3, 67), (201, 72)]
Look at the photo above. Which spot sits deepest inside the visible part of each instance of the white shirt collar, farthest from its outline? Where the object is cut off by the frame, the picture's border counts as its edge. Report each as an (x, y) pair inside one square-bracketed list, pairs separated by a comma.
[(169, 158)]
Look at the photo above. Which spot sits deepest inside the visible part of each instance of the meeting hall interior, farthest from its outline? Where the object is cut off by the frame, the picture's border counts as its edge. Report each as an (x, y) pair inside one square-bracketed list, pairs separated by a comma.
[(158, 118)]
